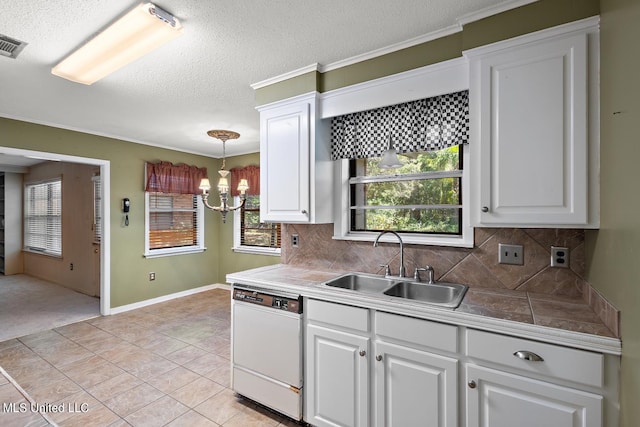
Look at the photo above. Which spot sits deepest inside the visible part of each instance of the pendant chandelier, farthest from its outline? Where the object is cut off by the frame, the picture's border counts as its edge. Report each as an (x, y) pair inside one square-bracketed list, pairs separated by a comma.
[(223, 183)]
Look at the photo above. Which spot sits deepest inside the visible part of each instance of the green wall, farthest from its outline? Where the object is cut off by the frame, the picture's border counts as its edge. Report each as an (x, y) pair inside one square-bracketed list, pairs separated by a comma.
[(230, 261), (527, 19), (129, 268), (613, 251)]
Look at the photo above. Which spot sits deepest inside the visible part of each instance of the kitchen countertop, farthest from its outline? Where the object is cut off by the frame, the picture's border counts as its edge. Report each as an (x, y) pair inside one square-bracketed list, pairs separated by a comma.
[(541, 317)]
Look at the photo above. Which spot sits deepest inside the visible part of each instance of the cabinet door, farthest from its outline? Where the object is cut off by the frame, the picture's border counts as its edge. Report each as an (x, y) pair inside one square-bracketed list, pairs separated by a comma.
[(414, 388), (530, 133), (498, 399), (284, 163), (336, 378)]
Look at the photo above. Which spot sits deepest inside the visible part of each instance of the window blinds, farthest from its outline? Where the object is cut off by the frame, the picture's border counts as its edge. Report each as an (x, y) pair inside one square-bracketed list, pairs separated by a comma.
[(173, 220), (43, 217), (97, 209)]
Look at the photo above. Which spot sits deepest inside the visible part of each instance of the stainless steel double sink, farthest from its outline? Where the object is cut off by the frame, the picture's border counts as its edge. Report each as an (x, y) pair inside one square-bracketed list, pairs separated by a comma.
[(441, 294)]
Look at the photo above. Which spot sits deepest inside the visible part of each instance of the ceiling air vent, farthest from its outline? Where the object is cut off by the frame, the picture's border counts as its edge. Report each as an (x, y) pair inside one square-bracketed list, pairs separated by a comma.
[(10, 47)]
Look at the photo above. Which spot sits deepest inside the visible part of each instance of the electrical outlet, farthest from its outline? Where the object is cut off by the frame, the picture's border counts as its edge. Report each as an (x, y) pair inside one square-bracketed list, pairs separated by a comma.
[(71, 266), (510, 254), (152, 276), (295, 240), (559, 257)]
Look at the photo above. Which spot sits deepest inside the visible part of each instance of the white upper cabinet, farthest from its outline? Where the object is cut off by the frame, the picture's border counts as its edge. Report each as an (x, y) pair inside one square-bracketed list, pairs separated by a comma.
[(295, 168), (534, 124)]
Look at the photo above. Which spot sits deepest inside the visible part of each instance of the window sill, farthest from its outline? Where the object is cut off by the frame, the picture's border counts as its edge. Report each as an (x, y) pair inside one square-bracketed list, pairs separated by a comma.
[(173, 252), (43, 253), (256, 250), (411, 239)]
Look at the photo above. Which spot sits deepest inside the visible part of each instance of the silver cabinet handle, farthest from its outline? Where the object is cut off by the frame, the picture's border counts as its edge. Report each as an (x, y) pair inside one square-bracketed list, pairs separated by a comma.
[(472, 384), (527, 355), (485, 209), (379, 357), (362, 353)]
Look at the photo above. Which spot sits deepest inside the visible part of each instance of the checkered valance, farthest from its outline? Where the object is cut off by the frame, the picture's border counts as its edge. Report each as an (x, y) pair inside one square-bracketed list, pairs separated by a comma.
[(424, 125)]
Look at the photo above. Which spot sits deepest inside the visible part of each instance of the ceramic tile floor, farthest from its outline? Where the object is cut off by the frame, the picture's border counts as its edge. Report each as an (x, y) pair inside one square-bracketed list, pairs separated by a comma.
[(161, 365)]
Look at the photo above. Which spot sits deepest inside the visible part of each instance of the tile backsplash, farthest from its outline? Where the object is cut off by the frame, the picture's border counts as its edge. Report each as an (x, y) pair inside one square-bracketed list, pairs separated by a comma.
[(475, 267)]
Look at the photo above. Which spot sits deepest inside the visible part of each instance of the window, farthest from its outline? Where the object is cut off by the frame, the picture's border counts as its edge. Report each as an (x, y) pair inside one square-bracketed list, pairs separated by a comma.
[(422, 196), (43, 217), (174, 214), (174, 224), (423, 200), (251, 235)]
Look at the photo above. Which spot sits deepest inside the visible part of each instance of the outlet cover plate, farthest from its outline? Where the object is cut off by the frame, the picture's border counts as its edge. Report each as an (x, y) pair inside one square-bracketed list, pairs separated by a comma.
[(510, 254), (559, 257)]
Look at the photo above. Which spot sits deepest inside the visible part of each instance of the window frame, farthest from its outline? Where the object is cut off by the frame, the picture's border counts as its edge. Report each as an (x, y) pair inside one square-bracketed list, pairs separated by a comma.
[(237, 240), (343, 212), (32, 249), (182, 250)]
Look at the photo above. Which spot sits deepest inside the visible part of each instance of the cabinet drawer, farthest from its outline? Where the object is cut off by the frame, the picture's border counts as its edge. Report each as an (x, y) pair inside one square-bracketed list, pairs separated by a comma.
[(559, 362), (417, 331), (341, 315)]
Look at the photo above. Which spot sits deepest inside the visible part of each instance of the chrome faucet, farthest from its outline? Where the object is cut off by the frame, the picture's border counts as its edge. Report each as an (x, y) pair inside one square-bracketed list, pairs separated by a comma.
[(375, 245)]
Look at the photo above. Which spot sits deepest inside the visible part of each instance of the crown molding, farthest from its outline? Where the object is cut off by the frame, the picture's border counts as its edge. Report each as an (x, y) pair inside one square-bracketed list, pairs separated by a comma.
[(286, 76), (492, 10)]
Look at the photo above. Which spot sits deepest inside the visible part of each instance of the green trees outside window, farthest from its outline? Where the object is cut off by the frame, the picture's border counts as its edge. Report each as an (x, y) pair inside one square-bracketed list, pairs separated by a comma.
[(422, 196)]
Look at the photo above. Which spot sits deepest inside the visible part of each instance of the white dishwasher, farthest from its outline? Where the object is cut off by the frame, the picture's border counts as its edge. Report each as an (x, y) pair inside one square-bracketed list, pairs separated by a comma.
[(266, 348)]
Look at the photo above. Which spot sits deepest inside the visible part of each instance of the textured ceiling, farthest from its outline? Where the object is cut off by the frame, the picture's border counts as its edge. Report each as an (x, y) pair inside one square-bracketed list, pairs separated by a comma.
[(199, 81)]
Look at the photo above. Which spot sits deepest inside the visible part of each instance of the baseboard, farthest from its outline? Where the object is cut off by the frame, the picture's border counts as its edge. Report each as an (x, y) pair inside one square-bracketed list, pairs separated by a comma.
[(145, 303)]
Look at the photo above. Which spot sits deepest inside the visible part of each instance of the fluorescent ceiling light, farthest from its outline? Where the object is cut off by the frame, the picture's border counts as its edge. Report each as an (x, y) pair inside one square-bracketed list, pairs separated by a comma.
[(137, 33)]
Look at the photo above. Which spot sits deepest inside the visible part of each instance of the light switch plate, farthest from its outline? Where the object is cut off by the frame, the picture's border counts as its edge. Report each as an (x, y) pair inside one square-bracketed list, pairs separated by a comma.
[(510, 254)]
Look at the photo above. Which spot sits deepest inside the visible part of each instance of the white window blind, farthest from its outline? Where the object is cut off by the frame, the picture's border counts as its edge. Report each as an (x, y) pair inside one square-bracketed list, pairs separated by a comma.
[(175, 223), (43, 217), (97, 209)]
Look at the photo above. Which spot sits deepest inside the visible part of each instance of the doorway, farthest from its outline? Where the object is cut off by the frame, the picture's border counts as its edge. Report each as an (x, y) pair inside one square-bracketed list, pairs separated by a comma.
[(101, 254)]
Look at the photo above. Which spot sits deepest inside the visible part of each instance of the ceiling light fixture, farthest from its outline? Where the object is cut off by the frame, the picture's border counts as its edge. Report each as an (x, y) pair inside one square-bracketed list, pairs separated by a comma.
[(390, 158), (223, 183), (141, 30)]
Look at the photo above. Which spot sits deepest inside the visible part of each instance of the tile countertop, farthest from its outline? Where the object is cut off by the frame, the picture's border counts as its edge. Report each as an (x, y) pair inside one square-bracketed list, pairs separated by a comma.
[(547, 318)]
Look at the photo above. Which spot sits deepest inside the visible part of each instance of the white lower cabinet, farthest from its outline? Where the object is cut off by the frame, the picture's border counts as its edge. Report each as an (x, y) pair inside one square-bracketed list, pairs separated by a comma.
[(396, 382), (414, 388), (337, 386), (500, 399), (502, 391), (365, 367)]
